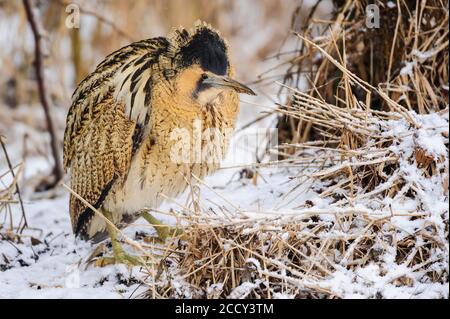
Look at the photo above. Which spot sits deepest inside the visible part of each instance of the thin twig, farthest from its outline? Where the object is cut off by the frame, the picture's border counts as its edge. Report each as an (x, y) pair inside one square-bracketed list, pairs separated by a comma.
[(37, 34), (11, 169)]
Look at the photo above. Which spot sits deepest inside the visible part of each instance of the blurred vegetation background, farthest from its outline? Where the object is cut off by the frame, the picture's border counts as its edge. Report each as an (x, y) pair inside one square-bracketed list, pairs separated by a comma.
[(255, 29)]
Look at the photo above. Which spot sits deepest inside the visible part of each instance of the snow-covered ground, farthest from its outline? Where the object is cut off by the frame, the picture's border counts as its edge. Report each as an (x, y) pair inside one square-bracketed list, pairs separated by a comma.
[(50, 262), (54, 267)]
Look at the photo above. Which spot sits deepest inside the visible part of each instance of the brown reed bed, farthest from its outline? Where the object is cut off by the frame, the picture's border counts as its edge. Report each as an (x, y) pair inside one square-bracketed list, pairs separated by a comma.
[(405, 58)]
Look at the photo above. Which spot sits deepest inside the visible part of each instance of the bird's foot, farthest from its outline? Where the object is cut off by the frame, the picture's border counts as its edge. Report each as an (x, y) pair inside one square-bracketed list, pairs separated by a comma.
[(98, 256), (129, 260), (122, 258), (163, 231)]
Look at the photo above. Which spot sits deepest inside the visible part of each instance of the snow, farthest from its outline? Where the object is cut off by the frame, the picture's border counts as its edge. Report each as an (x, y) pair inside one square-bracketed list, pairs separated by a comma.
[(391, 4), (417, 57), (408, 68), (422, 56), (243, 290)]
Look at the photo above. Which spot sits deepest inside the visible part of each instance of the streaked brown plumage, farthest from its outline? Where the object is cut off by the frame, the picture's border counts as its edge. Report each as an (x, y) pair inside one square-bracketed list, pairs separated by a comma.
[(118, 142)]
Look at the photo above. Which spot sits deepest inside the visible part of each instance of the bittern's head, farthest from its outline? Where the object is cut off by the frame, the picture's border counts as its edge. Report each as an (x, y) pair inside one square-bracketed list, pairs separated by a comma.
[(203, 68)]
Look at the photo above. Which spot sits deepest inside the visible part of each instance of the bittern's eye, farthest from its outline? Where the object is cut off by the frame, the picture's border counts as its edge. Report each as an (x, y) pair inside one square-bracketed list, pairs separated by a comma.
[(204, 76)]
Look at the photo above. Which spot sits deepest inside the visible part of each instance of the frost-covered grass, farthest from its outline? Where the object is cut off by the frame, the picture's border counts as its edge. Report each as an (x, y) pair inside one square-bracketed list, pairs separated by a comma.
[(371, 223), (279, 232), (46, 261)]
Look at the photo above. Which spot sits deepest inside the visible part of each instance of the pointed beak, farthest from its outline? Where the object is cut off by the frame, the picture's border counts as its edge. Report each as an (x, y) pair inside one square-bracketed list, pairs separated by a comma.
[(224, 81)]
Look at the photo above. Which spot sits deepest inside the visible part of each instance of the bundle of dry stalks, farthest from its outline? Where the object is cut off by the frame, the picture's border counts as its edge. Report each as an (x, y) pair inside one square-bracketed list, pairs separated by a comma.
[(373, 165), (10, 195), (406, 57), (375, 122)]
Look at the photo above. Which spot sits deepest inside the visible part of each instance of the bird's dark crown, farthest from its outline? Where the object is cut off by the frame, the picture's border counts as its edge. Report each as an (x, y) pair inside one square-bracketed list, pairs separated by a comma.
[(202, 45), (207, 49)]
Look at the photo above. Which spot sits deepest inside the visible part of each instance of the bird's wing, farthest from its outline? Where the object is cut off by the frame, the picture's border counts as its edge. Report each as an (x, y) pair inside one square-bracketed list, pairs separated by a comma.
[(106, 124), (102, 156), (138, 56)]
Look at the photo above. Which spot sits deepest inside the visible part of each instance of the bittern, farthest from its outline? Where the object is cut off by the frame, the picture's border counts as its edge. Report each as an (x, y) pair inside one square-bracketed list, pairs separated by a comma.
[(119, 141)]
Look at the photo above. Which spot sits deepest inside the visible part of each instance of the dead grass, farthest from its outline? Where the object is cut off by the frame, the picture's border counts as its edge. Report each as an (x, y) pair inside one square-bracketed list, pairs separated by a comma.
[(412, 34), (10, 195)]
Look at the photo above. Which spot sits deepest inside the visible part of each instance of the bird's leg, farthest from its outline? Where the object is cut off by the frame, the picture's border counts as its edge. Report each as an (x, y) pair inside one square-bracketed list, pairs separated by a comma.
[(162, 230), (120, 257)]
